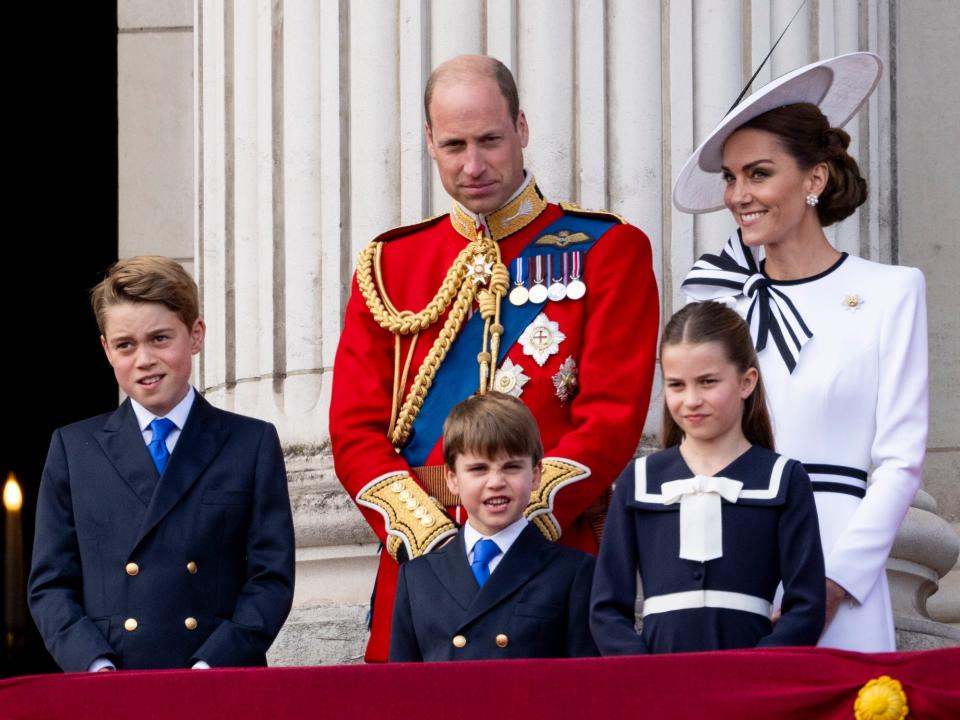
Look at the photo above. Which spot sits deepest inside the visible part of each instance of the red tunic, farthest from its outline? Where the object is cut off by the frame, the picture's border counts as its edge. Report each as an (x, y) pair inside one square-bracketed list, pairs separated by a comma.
[(611, 335)]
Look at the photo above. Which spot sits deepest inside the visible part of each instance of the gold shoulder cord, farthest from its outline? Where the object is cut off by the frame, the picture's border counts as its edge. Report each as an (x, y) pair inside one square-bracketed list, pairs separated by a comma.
[(455, 289)]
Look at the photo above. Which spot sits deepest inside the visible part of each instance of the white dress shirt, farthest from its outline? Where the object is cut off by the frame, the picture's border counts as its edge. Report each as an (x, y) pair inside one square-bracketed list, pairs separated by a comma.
[(504, 539)]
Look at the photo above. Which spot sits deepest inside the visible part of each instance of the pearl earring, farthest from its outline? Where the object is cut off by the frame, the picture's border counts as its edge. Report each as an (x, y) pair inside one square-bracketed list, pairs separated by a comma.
[(812, 200)]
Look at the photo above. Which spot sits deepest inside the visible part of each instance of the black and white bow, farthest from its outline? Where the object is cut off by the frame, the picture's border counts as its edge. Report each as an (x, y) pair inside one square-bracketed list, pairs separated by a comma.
[(736, 271)]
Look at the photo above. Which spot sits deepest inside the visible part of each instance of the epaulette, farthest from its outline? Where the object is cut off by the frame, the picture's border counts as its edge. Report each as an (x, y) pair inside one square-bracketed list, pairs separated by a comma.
[(407, 229), (573, 209)]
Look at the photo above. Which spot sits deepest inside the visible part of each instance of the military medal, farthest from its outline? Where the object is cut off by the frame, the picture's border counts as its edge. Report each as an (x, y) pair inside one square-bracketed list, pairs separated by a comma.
[(556, 291), (538, 293), (565, 380), (576, 288), (510, 379), (519, 294), (542, 338)]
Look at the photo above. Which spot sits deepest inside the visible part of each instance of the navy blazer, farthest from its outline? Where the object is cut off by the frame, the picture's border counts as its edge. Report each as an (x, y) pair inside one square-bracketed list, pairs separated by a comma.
[(201, 568), (533, 606), (770, 534)]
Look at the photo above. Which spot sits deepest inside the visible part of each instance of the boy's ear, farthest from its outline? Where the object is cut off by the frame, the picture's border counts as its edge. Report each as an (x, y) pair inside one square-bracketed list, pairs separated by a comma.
[(537, 475), (453, 485), (197, 333)]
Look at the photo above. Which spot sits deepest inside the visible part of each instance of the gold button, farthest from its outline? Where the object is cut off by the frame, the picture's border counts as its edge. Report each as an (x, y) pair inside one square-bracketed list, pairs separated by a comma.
[(190, 623), (397, 486), (411, 504), (132, 569), (427, 520), (405, 495), (502, 640), (192, 567), (130, 624), (459, 641), (419, 511)]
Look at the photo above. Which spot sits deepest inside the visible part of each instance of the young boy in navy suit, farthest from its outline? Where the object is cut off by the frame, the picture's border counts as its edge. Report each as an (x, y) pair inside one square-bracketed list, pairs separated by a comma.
[(164, 537), (499, 589)]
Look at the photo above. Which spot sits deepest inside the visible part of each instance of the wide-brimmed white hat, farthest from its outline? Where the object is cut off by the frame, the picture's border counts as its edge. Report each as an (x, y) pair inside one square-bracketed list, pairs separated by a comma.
[(838, 86)]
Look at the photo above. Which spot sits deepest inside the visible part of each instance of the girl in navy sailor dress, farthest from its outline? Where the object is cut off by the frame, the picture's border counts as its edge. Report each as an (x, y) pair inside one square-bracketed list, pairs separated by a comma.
[(712, 523)]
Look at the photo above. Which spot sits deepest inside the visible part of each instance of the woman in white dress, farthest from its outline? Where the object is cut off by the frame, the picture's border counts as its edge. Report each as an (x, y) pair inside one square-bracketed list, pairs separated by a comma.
[(842, 342)]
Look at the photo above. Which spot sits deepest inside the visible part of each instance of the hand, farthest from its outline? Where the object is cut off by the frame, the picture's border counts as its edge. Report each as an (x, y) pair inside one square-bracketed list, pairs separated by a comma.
[(775, 616), (835, 595)]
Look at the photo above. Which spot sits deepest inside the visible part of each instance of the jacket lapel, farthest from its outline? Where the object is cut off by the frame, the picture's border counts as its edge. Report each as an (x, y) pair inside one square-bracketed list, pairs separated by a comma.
[(122, 443), (528, 555), (452, 571), (200, 440)]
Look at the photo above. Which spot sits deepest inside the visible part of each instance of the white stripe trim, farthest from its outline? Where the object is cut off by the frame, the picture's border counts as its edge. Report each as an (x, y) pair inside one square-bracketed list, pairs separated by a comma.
[(640, 493), (693, 599), (776, 476)]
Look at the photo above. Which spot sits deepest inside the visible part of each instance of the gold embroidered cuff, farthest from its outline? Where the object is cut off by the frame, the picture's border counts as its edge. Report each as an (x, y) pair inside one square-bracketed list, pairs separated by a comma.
[(413, 519), (557, 473)]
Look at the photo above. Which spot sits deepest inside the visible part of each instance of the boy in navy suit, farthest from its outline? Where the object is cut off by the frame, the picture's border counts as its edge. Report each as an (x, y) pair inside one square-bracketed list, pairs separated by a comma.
[(498, 589), (164, 537)]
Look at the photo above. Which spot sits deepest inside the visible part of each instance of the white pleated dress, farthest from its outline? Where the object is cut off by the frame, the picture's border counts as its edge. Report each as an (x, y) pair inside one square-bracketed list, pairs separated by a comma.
[(857, 403)]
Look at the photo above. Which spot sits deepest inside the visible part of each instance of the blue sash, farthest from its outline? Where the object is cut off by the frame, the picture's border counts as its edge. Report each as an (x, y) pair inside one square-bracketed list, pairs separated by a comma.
[(453, 381)]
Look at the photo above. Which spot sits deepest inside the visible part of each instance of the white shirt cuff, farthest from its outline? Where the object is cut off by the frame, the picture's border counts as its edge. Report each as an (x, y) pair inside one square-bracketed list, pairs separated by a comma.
[(99, 664)]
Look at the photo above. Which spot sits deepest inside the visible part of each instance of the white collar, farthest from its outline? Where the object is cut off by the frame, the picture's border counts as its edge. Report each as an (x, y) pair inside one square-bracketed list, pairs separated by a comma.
[(504, 539), (179, 413)]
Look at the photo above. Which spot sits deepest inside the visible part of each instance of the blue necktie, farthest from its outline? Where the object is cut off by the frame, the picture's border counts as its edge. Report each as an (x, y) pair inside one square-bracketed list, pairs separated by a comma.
[(483, 552), (161, 427)]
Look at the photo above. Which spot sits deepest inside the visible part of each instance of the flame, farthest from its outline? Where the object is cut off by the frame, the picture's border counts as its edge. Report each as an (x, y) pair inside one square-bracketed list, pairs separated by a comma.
[(12, 497)]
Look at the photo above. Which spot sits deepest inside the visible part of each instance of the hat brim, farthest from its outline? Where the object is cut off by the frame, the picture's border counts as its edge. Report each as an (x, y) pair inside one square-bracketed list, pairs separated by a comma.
[(838, 86)]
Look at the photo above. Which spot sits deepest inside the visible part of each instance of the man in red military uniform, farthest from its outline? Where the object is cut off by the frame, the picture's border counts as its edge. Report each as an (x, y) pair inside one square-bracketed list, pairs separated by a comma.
[(550, 303)]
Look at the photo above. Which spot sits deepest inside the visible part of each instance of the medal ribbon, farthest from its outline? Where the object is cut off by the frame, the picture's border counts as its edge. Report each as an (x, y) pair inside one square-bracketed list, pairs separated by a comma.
[(772, 314)]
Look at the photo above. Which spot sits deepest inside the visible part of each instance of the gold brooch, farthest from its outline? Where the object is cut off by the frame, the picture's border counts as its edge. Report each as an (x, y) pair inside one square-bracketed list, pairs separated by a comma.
[(852, 302)]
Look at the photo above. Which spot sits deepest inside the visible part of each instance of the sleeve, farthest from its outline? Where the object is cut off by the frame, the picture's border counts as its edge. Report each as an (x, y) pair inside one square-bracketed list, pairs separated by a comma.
[(613, 598), (265, 599), (858, 557), (617, 362), (403, 638), (365, 461), (801, 567), (579, 639), (55, 587)]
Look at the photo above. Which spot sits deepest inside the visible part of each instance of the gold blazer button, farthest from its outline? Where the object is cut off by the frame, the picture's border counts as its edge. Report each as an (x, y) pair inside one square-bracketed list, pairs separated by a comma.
[(502, 640), (132, 569), (459, 641), (190, 623), (192, 567), (130, 624)]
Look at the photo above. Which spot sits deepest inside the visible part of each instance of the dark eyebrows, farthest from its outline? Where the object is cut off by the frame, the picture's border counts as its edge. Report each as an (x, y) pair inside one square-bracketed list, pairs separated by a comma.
[(749, 165)]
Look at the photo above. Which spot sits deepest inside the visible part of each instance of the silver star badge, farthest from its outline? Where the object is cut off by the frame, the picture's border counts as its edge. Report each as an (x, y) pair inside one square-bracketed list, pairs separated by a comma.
[(510, 379), (565, 380), (541, 339)]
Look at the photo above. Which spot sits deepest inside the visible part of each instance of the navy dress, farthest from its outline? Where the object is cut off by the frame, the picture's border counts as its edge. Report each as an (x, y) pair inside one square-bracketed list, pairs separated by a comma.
[(769, 534)]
